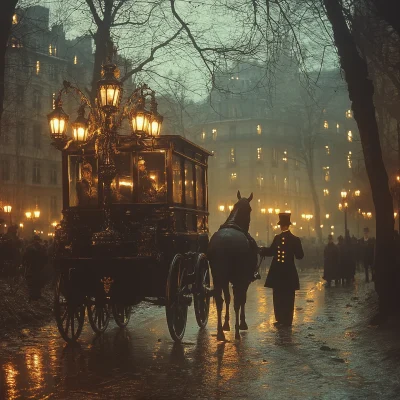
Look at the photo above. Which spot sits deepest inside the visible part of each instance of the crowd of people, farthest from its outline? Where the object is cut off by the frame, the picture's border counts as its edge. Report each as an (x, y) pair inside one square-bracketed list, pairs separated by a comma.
[(342, 259), (28, 258)]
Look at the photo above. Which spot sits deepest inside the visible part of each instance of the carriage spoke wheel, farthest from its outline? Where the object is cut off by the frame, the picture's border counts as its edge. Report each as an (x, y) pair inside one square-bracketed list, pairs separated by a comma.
[(69, 317), (202, 291), (177, 298), (122, 314), (98, 315)]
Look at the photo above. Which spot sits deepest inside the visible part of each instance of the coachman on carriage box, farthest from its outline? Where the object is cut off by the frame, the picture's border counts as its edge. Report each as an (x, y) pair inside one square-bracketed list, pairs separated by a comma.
[(282, 276)]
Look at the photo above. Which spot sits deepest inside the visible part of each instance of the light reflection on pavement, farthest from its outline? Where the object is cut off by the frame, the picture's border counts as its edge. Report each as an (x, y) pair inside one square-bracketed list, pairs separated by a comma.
[(328, 354)]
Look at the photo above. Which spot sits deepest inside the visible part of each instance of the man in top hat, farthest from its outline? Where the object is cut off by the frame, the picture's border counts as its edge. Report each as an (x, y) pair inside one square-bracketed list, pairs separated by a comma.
[(367, 246), (282, 275), (85, 190), (147, 185)]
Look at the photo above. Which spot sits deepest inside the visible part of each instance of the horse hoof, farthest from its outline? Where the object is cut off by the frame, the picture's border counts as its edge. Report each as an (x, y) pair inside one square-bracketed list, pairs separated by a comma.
[(226, 327), (243, 326), (221, 336)]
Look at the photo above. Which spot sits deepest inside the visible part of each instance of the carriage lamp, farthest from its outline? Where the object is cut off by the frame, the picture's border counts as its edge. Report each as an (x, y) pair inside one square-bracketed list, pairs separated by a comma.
[(54, 224), (277, 210), (155, 125), (36, 214), (7, 209), (109, 89), (343, 194), (327, 216), (58, 122), (80, 126), (221, 208), (230, 207), (288, 211), (357, 193), (270, 210), (28, 215), (263, 211)]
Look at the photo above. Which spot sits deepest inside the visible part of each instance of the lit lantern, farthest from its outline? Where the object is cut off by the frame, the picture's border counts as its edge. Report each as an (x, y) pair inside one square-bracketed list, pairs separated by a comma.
[(140, 118), (58, 122), (155, 125), (109, 89), (80, 126), (36, 213)]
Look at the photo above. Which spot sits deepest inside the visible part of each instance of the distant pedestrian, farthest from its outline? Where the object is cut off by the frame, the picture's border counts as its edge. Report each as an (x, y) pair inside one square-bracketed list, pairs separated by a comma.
[(367, 246), (282, 275), (35, 258), (331, 260)]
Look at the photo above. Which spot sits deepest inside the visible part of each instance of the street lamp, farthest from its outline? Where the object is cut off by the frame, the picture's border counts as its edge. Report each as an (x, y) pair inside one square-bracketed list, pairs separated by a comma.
[(396, 193), (7, 210), (308, 218), (357, 194), (343, 194), (32, 216), (104, 119)]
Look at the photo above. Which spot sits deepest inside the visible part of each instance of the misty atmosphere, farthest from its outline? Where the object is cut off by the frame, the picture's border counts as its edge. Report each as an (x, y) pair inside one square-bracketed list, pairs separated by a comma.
[(199, 199)]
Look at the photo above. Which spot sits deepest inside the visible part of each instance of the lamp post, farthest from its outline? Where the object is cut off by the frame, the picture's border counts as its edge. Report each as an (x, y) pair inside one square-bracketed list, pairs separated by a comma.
[(31, 216), (396, 193), (308, 218), (344, 205), (101, 125), (7, 210)]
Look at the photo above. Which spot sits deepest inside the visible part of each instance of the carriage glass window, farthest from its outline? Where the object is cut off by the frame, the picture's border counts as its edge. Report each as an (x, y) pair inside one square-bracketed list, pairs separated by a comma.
[(177, 186), (122, 185), (83, 181), (150, 177), (199, 187), (189, 184)]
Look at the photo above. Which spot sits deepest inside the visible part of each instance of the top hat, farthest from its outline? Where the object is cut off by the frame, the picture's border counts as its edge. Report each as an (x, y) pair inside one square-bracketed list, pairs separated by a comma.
[(284, 219), (366, 229)]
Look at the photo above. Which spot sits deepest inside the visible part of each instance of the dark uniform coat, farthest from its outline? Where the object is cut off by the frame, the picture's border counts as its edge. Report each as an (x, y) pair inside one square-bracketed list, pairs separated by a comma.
[(331, 262), (282, 272)]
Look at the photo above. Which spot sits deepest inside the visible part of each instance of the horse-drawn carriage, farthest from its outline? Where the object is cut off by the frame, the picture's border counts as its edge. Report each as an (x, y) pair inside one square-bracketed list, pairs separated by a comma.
[(151, 242)]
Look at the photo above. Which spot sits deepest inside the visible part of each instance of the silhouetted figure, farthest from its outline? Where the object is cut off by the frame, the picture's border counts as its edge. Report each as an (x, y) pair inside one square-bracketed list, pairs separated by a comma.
[(282, 275), (367, 246), (233, 259), (331, 261), (35, 259)]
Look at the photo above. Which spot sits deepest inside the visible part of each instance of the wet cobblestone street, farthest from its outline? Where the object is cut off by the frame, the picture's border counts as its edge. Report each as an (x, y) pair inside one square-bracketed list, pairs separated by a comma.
[(330, 353)]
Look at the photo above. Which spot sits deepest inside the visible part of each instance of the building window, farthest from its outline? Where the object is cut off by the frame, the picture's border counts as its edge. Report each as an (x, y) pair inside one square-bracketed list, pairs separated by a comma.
[(327, 176), (326, 192), (297, 185), (53, 175), (20, 93), (274, 158), (349, 136), (21, 171), (233, 176), (37, 67), (349, 114), (203, 136), (52, 72), (214, 134), (37, 137), (75, 60), (326, 125), (260, 180), (20, 134), (327, 150), (286, 184), (50, 49), (4, 137), (259, 130), (5, 170), (53, 206), (232, 155), (349, 160), (36, 101), (259, 154), (337, 128), (36, 172)]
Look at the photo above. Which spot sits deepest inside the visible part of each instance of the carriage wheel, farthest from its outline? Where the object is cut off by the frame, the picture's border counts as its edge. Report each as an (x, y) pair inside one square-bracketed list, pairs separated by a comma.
[(98, 315), (122, 314), (202, 291), (177, 298), (69, 317)]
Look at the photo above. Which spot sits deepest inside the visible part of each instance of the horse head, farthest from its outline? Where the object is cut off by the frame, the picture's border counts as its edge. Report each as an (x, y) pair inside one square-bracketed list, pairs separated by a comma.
[(240, 214)]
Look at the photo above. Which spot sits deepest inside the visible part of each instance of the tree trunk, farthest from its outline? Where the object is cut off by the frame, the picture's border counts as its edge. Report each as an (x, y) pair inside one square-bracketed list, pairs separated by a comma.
[(361, 93), (6, 15)]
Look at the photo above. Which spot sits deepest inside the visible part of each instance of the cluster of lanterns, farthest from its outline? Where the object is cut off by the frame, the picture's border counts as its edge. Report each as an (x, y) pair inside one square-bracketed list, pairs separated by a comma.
[(109, 93)]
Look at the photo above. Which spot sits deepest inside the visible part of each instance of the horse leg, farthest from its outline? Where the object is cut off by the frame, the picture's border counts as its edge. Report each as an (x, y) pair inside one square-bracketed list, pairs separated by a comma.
[(219, 302), (227, 298), (243, 326), (236, 306)]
